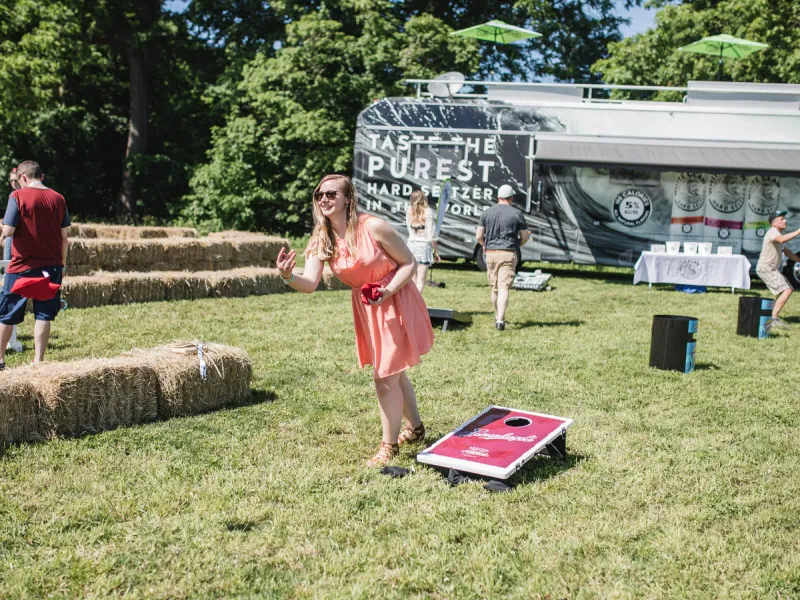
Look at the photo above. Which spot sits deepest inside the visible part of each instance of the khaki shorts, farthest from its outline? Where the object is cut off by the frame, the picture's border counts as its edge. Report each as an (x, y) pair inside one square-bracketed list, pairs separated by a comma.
[(500, 267), (774, 280)]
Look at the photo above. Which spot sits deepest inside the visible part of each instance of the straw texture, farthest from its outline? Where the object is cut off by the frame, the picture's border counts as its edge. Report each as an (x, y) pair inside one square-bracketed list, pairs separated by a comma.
[(19, 408), (86, 256), (127, 232), (181, 389), (126, 288), (86, 396), (93, 395)]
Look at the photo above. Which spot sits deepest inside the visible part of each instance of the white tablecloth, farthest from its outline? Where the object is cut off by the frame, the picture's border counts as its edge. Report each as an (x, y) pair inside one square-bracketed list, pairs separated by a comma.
[(715, 270)]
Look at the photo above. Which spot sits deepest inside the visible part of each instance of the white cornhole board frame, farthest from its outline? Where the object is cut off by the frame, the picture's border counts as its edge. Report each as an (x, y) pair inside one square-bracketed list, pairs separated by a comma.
[(490, 437), (536, 281), (13, 344)]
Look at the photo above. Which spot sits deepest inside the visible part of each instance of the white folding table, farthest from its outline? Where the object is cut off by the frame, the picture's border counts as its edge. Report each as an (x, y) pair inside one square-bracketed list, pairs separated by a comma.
[(712, 270)]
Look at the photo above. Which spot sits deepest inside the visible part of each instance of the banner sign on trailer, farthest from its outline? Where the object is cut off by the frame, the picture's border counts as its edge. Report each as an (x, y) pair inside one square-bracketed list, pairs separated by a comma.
[(587, 210), (496, 443)]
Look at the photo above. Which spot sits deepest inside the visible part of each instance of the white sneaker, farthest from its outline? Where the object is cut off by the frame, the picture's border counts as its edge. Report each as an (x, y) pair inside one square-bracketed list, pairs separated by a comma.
[(780, 324)]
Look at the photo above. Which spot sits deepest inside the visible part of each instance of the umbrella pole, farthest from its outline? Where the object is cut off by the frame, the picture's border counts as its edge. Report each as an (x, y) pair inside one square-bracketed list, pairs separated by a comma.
[(719, 66)]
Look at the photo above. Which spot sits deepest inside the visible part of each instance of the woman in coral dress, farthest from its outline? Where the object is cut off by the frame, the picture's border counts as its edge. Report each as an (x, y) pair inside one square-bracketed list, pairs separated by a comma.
[(393, 330)]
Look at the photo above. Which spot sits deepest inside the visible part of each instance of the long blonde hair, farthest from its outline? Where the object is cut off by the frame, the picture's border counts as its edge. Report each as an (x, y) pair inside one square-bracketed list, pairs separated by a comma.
[(419, 203), (323, 240)]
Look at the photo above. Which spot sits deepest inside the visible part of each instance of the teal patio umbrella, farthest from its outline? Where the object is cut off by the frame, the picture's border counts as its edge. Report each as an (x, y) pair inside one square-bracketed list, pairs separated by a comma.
[(498, 32), (724, 45)]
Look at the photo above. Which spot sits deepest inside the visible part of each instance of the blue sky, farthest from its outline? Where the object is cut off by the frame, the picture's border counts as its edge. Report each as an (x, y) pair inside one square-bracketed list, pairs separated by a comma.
[(641, 18)]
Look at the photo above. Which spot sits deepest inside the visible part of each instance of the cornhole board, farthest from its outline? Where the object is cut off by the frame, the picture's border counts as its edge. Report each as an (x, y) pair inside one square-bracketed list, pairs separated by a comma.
[(445, 315), (498, 442), (535, 281)]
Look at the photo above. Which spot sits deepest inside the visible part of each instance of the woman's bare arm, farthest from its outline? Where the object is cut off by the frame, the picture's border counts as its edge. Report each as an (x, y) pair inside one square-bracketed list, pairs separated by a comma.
[(396, 249)]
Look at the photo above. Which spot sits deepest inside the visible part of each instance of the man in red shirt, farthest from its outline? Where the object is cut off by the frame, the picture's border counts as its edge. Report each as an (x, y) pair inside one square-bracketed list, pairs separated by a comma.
[(38, 219)]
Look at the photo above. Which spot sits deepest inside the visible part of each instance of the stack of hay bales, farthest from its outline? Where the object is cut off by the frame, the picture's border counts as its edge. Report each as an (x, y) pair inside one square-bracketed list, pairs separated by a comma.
[(86, 256), (105, 288), (86, 396), (145, 264)]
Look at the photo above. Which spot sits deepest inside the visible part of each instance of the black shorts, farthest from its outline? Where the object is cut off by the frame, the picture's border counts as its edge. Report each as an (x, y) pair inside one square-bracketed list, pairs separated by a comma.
[(12, 306)]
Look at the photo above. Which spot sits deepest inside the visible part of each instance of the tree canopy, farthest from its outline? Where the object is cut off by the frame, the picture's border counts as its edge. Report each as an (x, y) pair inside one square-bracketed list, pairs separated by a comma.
[(652, 58), (223, 113)]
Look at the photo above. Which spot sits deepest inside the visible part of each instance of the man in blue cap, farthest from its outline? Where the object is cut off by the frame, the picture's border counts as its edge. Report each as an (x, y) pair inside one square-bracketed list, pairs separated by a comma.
[(769, 264)]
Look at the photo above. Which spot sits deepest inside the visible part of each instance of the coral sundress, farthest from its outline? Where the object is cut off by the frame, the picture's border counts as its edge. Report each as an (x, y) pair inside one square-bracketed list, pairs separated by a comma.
[(393, 336)]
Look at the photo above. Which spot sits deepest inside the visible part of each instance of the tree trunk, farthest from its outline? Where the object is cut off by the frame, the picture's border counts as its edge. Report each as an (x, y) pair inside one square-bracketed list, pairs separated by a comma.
[(137, 131)]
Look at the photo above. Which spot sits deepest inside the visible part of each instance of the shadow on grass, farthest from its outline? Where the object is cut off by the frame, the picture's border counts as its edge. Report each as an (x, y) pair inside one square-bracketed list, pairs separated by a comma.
[(241, 525), (540, 468), (256, 397), (525, 324), (259, 397), (791, 319), (706, 366), (543, 467)]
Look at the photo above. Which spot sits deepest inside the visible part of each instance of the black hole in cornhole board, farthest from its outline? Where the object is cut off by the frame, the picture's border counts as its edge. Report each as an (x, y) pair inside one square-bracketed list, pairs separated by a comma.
[(517, 422)]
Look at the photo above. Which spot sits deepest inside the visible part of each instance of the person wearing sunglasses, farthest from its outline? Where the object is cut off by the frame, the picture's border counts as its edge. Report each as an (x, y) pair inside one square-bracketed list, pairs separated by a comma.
[(391, 321)]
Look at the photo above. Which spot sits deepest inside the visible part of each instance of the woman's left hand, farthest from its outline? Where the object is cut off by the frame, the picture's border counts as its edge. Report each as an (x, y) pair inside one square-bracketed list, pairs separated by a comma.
[(386, 293)]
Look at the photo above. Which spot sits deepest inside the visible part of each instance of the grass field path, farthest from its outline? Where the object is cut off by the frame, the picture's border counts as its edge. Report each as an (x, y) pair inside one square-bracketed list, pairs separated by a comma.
[(681, 486)]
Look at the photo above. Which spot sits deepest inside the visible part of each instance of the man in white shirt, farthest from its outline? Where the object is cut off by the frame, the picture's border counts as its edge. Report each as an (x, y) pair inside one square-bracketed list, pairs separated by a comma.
[(769, 264)]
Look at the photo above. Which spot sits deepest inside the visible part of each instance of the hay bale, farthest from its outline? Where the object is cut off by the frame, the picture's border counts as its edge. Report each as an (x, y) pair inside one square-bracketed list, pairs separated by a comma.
[(232, 284), (19, 408), (330, 282), (78, 253), (92, 395), (233, 234), (93, 231), (88, 291), (254, 251), (186, 286), (267, 281), (171, 254), (181, 389), (219, 254), (130, 288), (177, 254), (86, 396)]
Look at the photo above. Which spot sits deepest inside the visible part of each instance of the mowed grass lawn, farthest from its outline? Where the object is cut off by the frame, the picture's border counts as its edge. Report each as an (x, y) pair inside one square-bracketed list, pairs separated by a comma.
[(676, 485)]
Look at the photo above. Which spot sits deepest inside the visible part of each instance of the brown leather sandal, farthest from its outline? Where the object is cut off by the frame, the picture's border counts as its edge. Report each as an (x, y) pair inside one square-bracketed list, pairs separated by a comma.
[(384, 455), (411, 434)]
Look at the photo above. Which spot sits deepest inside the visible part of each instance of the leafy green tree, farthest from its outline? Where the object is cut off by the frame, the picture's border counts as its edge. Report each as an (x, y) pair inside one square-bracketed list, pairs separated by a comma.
[(294, 117), (66, 94), (652, 58), (575, 34), (51, 105)]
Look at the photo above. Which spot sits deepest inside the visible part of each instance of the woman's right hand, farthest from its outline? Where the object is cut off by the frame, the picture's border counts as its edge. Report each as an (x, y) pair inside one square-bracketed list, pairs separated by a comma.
[(286, 262)]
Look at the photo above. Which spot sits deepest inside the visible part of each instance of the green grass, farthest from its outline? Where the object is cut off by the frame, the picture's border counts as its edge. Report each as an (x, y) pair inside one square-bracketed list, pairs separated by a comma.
[(676, 485)]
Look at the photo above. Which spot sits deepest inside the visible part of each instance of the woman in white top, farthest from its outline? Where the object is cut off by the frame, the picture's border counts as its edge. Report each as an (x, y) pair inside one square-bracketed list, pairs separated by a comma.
[(419, 220)]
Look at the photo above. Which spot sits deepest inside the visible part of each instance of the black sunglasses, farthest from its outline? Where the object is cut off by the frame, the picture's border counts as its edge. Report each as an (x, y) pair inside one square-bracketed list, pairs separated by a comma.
[(330, 194)]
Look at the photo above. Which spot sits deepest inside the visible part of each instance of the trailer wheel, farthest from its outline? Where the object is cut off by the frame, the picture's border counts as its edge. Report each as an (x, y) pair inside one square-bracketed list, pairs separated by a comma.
[(792, 273), (480, 258)]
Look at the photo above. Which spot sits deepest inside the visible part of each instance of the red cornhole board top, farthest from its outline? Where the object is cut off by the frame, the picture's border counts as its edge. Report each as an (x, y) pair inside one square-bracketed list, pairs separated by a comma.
[(496, 443)]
